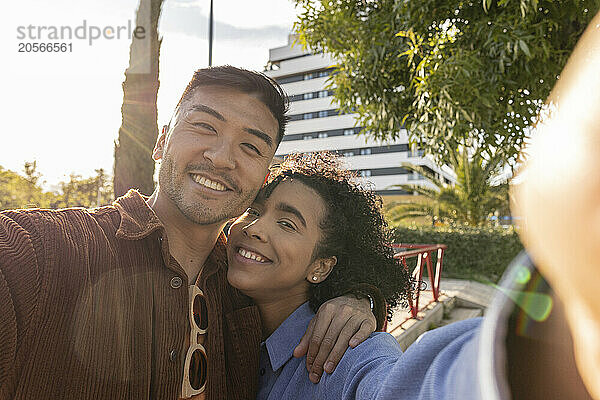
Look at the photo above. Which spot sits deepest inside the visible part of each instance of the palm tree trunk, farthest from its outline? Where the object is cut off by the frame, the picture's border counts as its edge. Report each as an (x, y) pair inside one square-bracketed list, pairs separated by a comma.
[(134, 167)]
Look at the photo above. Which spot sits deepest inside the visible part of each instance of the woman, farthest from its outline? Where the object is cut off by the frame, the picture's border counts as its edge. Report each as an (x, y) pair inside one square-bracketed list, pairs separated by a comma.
[(311, 235)]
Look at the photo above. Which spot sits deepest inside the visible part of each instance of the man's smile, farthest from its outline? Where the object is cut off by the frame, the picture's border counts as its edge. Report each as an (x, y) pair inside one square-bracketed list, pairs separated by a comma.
[(208, 183)]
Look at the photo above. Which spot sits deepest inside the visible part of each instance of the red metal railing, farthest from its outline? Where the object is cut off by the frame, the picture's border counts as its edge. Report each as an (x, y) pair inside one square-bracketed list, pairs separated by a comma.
[(423, 254)]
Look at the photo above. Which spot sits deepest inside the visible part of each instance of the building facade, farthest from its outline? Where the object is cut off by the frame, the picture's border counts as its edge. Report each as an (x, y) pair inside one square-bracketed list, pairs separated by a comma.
[(316, 124)]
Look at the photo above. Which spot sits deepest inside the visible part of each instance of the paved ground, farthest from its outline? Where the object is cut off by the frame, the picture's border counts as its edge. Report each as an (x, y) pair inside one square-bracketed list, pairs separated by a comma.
[(459, 299), (478, 294)]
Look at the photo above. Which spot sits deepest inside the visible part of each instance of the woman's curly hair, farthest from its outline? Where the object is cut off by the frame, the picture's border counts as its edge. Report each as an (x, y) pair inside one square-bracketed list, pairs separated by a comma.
[(353, 230)]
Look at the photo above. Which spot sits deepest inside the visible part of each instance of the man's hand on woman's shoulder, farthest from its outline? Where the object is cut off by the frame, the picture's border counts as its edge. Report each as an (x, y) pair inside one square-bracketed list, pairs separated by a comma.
[(339, 323)]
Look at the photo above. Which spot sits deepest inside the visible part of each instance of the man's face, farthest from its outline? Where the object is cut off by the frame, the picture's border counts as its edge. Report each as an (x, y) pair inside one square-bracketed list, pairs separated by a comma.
[(217, 153)]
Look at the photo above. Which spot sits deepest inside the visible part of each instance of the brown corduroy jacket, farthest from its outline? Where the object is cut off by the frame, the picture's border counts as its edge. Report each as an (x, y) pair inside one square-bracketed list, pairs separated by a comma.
[(93, 306)]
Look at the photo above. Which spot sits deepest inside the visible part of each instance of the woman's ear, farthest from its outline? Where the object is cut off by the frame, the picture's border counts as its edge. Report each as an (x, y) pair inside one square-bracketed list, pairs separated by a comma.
[(321, 269)]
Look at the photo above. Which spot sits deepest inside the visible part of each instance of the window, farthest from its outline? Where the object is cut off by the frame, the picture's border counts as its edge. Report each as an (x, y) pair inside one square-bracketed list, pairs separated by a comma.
[(365, 173), (307, 137), (308, 96), (348, 132), (323, 114), (415, 176), (322, 135), (312, 75), (308, 116), (290, 79), (365, 151), (287, 138), (323, 93), (348, 154)]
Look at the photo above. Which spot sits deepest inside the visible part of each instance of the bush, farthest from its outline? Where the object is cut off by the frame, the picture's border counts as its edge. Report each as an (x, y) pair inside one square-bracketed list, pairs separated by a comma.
[(480, 254)]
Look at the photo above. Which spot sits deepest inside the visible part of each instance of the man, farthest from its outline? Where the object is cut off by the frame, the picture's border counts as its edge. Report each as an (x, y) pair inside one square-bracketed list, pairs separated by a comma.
[(131, 301)]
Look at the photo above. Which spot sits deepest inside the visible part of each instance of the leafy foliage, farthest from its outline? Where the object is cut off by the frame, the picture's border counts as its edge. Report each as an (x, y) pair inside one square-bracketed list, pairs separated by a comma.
[(94, 191), (455, 73), (18, 191), (470, 201), (473, 253), (25, 191)]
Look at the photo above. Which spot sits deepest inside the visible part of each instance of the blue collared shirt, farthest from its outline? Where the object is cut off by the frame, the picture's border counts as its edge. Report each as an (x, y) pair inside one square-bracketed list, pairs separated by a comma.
[(359, 375), (466, 360)]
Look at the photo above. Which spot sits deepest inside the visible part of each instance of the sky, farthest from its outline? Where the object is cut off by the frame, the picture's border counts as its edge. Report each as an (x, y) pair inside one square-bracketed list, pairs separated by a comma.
[(63, 110)]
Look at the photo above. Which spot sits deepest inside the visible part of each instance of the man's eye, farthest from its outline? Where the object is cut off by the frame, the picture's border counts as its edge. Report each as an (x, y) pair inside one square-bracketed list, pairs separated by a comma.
[(204, 126), (253, 148)]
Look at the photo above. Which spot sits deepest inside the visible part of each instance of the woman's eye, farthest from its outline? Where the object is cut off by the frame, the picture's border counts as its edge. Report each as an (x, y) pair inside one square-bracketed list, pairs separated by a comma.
[(253, 148), (252, 211), (287, 225)]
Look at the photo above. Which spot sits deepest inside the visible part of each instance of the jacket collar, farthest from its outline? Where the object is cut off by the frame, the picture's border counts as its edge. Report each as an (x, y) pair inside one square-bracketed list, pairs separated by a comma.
[(280, 345), (138, 220)]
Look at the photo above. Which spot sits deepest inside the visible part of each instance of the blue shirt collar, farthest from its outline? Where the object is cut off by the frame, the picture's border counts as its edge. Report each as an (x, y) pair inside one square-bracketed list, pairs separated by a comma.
[(280, 345)]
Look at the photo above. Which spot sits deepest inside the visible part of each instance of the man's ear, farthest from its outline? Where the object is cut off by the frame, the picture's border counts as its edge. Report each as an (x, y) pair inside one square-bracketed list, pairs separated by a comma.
[(159, 147), (321, 269)]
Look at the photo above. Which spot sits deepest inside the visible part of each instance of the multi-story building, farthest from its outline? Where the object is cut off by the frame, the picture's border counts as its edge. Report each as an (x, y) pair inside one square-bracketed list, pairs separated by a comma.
[(316, 124)]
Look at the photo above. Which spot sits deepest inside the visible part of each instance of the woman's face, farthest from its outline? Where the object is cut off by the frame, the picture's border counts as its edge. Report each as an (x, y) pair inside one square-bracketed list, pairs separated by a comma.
[(270, 247)]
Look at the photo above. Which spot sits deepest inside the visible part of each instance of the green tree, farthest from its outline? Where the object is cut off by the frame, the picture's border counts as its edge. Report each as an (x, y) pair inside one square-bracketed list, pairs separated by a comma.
[(89, 192), (455, 73), (134, 167), (23, 191), (472, 200)]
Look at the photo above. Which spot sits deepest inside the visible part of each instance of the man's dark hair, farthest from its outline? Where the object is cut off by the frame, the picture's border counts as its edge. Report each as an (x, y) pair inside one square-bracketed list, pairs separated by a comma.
[(353, 229), (253, 83)]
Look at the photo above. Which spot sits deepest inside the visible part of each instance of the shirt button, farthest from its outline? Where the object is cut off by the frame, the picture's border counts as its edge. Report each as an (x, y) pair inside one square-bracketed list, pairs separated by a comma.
[(173, 355), (176, 282), (262, 372)]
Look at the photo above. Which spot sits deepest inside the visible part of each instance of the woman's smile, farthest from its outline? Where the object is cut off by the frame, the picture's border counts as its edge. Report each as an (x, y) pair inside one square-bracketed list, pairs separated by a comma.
[(247, 255), (279, 233)]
